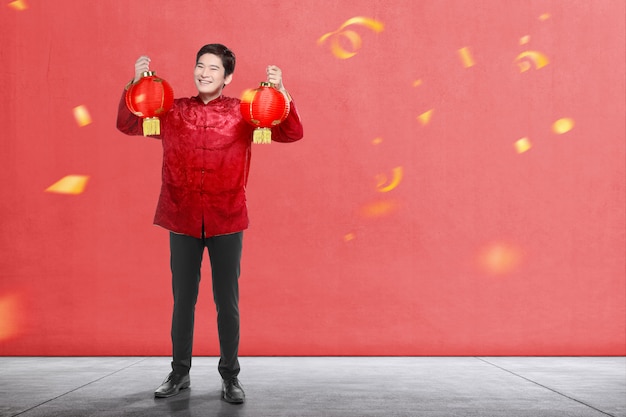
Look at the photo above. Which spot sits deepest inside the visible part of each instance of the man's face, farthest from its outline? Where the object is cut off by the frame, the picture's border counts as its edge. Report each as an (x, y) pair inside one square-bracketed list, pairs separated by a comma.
[(209, 76)]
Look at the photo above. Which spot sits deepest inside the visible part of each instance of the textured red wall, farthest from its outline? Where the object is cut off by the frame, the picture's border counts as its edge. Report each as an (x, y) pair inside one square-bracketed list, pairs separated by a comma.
[(459, 190)]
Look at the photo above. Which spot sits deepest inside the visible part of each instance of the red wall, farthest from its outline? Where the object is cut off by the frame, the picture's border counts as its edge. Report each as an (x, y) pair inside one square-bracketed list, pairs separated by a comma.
[(388, 230)]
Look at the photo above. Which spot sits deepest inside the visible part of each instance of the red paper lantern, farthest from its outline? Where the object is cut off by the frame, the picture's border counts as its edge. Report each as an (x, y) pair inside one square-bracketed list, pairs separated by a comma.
[(264, 108), (149, 98)]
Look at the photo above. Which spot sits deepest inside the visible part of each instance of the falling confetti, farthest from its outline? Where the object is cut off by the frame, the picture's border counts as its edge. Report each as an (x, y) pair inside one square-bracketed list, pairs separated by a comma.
[(354, 38), (537, 58), (18, 5), (424, 118), (563, 125), (499, 258), (81, 114), (524, 40), (8, 316), (395, 181), (248, 95), (466, 57), (522, 145), (70, 184), (377, 141), (379, 208), (544, 16), (348, 237), (417, 83)]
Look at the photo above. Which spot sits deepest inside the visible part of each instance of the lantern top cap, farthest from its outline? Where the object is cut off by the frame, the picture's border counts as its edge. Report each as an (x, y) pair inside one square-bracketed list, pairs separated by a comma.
[(266, 84), (148, 73)]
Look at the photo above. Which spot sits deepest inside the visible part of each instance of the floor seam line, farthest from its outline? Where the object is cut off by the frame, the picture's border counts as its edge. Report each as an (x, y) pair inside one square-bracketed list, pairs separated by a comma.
[(77, 388), (545, 387)]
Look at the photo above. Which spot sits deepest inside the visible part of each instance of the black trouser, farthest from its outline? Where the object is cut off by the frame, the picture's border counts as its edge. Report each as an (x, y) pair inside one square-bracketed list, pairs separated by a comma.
[(186, 258)]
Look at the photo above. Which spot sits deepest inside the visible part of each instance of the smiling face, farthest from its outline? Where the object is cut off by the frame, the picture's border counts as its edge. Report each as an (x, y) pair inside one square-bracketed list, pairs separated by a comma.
[(209, 77)]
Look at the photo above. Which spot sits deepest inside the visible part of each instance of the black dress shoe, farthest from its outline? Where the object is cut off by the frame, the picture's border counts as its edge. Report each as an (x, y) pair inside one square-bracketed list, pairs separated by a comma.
[(172, 385), (232, 391)]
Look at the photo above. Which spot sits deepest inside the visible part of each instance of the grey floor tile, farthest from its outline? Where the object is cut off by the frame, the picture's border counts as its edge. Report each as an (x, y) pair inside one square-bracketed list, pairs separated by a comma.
[(599, 382)]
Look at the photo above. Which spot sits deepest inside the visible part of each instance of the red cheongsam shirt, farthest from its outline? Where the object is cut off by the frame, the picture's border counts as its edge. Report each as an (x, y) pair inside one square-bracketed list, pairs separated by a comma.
[(206, 160)]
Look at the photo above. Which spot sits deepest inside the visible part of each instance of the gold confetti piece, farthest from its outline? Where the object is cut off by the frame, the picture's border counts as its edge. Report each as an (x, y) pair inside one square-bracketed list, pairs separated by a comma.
[(372, 24), (354, 38), (522, 145), (395, 181), (524, 40), (499, 258), (379, 208), (70, 184), (248, 95), (563, 125), (544, 16), (424, 118), (339, 51), (81, 114), (8, 316), (537, 58), (417, 83), (18, 5), (466, 57), (377, 141), (348, 237)]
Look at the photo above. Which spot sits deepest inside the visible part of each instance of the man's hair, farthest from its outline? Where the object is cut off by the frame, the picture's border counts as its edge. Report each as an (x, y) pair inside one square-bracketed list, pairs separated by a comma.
[(226, 55)]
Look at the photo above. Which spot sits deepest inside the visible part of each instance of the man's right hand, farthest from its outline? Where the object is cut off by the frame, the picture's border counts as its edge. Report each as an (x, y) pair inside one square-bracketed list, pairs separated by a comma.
[(141, 65)]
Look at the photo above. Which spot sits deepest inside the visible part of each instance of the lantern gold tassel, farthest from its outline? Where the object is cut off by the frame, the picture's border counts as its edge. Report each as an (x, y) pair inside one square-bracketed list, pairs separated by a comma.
[(151, 126), (262, 135)]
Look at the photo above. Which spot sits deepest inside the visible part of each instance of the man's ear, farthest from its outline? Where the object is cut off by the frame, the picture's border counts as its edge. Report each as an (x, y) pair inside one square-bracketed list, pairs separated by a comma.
[(228, 79)]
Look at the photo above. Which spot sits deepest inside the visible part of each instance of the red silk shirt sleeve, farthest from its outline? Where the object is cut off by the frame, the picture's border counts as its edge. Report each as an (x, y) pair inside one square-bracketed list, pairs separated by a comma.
[(127, 122), (290, 130)]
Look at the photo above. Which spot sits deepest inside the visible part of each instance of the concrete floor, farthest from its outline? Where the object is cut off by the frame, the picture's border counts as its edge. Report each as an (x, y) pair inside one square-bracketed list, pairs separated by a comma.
[(320, 386)]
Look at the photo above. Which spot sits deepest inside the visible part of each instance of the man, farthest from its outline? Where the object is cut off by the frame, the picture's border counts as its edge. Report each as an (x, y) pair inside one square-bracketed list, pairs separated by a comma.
[(206, 160)]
